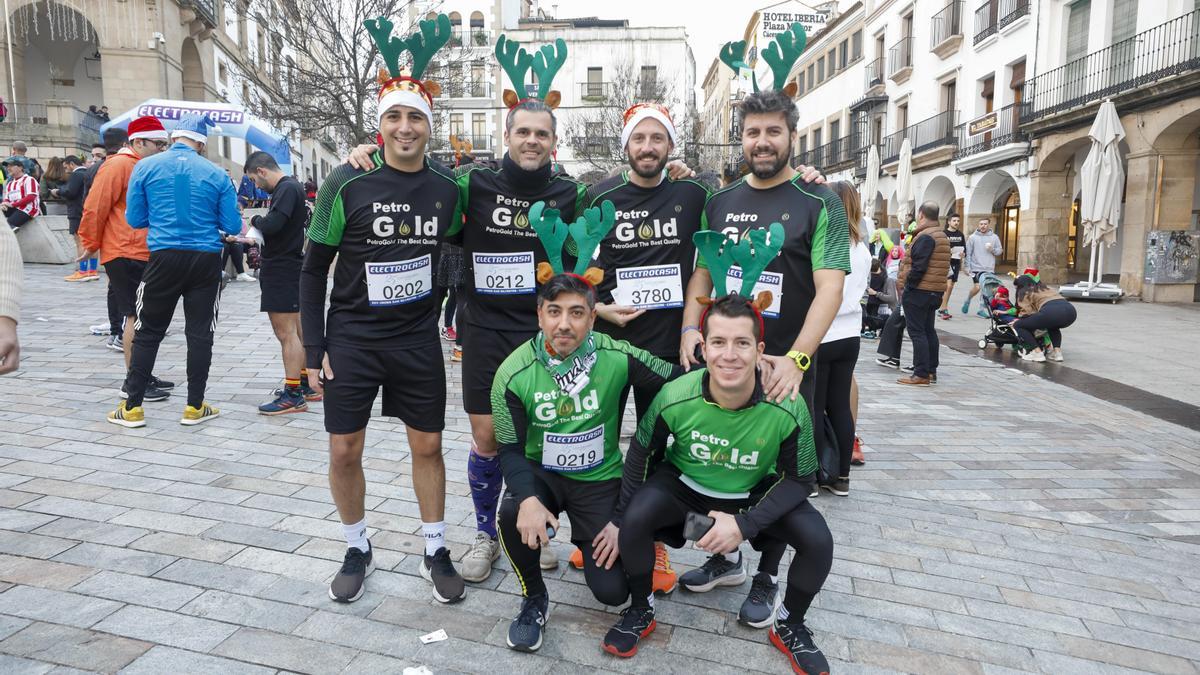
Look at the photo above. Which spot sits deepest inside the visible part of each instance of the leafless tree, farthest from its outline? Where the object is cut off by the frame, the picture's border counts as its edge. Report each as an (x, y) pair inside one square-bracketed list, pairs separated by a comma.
[(329, 87), (593, 130)]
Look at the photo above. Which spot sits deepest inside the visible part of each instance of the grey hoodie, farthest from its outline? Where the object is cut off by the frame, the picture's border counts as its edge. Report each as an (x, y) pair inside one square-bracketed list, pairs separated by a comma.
[(978, 258)]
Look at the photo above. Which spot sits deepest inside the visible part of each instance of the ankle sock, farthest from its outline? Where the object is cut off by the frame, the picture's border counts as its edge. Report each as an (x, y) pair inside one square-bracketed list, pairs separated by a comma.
[(356, 536), (435, 536)]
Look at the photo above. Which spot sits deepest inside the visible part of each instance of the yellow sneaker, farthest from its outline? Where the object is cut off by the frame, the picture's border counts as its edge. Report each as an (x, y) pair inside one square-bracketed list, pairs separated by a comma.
[(76, 276), (193, 416), (664, 578), (128, 417)]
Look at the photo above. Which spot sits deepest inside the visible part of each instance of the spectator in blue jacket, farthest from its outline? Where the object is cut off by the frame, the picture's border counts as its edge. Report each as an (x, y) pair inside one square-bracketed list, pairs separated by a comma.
[(189, 205)]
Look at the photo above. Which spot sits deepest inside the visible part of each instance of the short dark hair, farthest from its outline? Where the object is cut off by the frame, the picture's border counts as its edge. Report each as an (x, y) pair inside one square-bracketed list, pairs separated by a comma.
[(733, 306), (930, 210), (260, 159), (767, 102), (531, 105), (566, 283), (114, 139), (72, 159), (99, 145)]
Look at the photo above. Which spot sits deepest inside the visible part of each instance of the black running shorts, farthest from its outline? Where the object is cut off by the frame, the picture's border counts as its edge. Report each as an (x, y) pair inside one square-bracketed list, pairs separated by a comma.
[(279, 281), (413, 381), (589, 504), (483, 352), (955, 268), (125, 275)]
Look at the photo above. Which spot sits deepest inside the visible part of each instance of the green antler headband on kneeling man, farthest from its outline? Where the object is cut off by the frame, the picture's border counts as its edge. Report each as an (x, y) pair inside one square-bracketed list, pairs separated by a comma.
[(752, 253), (545, 63), (781, 54), (587, 231)]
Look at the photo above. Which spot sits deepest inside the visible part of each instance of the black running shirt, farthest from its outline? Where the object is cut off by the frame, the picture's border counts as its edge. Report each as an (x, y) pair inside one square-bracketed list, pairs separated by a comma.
[(816, 237), (649, 254), (386, 228), (283, 226), (501, 250)]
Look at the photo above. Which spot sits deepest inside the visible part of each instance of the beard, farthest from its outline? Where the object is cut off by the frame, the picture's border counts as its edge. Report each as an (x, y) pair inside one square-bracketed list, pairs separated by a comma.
[(657, 170), (763, 173)]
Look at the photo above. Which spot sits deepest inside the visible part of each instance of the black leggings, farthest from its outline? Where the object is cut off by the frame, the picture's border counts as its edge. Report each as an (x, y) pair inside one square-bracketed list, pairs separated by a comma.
[(451, 305), (608, 586), (891, 337), (832, 396), (1052, 318), (663, 502), (235, 251)]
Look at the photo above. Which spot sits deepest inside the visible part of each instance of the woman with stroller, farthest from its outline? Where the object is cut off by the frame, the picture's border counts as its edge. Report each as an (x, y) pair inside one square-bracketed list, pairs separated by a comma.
[(1041, 309)]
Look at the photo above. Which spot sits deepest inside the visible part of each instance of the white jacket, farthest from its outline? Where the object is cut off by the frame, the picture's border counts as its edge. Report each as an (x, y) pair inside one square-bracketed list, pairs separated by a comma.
[(848, 322)]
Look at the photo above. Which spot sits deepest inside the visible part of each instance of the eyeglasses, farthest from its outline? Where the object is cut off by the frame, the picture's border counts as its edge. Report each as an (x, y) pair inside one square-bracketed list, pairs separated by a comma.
[(162, 145), (633, 110)]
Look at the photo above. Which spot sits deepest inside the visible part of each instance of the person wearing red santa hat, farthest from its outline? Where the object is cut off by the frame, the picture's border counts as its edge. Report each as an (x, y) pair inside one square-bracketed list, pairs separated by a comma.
[(123, 250)]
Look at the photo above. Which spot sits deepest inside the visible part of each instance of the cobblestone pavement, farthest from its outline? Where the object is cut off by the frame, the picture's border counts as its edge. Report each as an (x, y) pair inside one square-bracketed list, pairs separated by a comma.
[(1003, 523)]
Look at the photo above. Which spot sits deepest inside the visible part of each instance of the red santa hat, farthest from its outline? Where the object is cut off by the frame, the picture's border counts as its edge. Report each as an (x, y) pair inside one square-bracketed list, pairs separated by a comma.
[(149, 128), (644, 111)]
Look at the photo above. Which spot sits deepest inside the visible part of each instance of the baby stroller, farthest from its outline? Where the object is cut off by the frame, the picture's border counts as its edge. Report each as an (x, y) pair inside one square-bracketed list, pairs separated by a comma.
[(999, 333)]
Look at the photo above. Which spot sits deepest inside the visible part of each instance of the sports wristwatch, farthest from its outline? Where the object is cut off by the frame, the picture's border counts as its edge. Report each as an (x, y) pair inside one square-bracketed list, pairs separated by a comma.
[(803, 361)]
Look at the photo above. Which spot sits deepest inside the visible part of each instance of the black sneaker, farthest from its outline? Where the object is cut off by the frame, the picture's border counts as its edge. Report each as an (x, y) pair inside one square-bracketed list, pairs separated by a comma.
[(907, 369), (160, 384), (887, 362), (525, 632), (796, 640), (716, 571), (151, 394), (758, 611), (347, 586), (635, 623), (839, 487), (437, 569)]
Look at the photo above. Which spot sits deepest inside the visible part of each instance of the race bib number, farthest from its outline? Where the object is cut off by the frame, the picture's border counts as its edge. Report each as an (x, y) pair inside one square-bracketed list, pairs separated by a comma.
[(652, 287), (398, 283), (504, 273), (769, 281), (573, 452)]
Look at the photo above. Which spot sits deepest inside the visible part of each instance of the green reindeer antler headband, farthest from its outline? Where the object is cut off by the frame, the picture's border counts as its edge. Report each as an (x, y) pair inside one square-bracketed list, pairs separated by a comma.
[(587, 231), (780, 55), (545, 62), (432, 35), (755, 250)]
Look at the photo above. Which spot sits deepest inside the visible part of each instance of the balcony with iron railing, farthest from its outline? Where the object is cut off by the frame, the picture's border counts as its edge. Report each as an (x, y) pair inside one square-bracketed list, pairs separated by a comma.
[(1011, 10), (874, 74), (997, 129), (53, 123), (900, 60), (1147, 59), (945, 30), (593, 92), (832, 156), (466, 89), (928, 134), (994, 15)]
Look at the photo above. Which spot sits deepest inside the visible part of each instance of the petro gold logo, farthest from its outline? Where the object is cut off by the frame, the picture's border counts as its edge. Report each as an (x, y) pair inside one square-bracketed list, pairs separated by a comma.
[(404, 229), (521, 221), (565, 407), (645, 231)]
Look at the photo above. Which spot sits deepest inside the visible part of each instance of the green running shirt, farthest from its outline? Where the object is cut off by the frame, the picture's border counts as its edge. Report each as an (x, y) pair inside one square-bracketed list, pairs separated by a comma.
[(575, 435)]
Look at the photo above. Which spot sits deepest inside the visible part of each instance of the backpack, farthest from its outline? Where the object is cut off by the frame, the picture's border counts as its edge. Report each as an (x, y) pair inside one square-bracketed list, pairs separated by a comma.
[(827, 452)]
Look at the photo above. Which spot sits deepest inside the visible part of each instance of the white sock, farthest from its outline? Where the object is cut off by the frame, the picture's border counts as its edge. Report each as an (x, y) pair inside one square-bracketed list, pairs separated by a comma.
[(356, 536), (651, 600), (735, 557), (782, 614), (435, 536), (774, 578)]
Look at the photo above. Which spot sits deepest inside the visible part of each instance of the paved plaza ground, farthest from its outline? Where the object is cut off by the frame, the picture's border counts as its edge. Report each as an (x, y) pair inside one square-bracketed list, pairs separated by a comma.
[(1003, 523)]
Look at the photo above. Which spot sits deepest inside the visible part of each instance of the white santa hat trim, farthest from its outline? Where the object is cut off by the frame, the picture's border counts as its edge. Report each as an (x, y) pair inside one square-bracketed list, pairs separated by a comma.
[(643, 114), (153, 135), (411, 99), (187, 133)]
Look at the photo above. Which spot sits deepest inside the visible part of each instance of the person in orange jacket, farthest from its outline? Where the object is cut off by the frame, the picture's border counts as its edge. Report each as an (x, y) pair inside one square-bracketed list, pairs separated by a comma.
[(123, 250)]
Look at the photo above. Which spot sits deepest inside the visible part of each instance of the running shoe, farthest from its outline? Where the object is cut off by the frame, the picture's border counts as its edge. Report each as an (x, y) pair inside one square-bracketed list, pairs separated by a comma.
[(100, 329), (664, 579), (165, 385), (839, 486), (308, 392), (966, 308), (456, 354), (716, 571), (289, 401), (77, 275), (547, 558), (152, 394), (758, 610), (796, 641), (347, 585), (115, 343), (437, 569), (983, 314), (1055, 355), (1034, 355), (477, 563), (635, 623), (888, 362), (525, 632), (577, 558), (869, 335), (193, 416), (943, 314), (92, 275), (449, 334), (128, 417), (908, 368), (856, 454), (245, 277)]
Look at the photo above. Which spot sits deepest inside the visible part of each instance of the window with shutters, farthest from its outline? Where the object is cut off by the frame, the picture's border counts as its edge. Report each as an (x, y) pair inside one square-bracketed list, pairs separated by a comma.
[(856, 44), (1074, 82), (1124, 25)]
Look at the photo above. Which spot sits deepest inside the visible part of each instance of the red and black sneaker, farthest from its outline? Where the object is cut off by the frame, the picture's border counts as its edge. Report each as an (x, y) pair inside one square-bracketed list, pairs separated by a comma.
[(796, 640), (635, 623), (289, 401)]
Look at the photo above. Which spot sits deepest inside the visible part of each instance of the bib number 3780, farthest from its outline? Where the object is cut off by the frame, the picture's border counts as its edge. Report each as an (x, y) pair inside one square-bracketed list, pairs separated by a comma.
[(398, 283)]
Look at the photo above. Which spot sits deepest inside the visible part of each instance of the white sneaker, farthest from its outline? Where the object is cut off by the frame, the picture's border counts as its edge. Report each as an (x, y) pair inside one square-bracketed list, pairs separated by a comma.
[(245, 277), (1055, 355), (547, 558), (100, 329), (1034, 355), (476, 565)]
